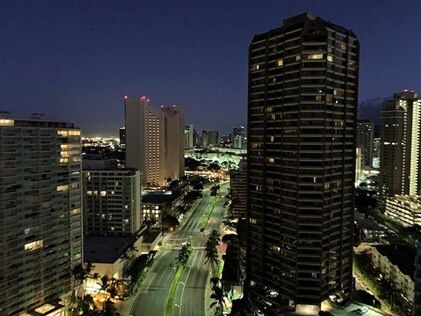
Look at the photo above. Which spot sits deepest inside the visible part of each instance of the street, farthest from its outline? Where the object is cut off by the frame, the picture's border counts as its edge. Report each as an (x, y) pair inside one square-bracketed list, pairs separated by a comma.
[(190, 295)]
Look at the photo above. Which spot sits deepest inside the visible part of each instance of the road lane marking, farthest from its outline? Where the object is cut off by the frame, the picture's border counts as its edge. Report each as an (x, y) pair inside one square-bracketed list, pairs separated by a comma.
[(186, 279)]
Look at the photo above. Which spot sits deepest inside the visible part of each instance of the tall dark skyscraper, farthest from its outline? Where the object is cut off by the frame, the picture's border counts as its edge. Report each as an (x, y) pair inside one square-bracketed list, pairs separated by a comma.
[(302, 114)]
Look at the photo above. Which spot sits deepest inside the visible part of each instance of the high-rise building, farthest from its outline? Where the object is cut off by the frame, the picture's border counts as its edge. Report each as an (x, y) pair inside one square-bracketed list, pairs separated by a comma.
[(40, 211), (239, 137), (210, 138), (122, 134), (173, 142), (154, 141), (365, 134), (302, 113), (188, 136), (111, 199), (238, 184), (213, 138), (400, 145), (358, 163)]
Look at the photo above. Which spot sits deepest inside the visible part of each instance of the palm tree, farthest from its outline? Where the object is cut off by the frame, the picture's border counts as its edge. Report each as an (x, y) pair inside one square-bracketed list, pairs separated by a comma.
[(233, 272), (211, 245), (215, 236), (184, 254), (218, 296)]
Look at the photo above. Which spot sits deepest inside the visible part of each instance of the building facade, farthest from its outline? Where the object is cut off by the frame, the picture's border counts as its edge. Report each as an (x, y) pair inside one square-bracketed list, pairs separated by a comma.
[(238, 184), (396, 264), (365, 136), (400, 145), (188, 136), (122, 136), (302, 113), (111, 202), (145, 140), (210, 138), (173, 142), (239, 139), (154, 141), (405, 209), (40, 211), (358, 163)]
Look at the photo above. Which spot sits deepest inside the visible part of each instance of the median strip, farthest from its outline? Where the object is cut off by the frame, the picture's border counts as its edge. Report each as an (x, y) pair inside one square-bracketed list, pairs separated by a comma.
[(210, 211), (173, 289)]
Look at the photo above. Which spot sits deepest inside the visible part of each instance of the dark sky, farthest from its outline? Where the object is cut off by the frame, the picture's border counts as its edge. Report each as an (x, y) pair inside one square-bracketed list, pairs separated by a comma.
[(77, 59)]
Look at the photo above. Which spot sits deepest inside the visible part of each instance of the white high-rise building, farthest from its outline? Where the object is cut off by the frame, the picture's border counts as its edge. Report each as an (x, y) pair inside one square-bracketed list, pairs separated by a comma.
[(40, 211), (144, 140), (400, 145), (154, 141)]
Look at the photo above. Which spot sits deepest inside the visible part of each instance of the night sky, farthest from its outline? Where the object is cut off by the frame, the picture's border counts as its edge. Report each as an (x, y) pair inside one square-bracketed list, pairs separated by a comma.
[(76, 60)]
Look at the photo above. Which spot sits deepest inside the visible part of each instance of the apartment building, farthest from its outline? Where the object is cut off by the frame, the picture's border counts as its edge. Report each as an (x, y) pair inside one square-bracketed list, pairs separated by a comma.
[(40, 211)]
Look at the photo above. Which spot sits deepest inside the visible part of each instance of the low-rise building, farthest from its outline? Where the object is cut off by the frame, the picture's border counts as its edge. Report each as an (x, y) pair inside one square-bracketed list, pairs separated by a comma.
[(396, 264), (109, 254), (405, 209), (158, 203)]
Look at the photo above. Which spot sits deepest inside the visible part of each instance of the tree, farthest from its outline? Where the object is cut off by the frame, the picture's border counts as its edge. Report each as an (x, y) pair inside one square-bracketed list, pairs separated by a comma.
[(184, 254), (211, 249), (233, 265), (239, 307), (109, 309), (104, 281), (215, 236), (84, 306), (169, 221), (218, 296)]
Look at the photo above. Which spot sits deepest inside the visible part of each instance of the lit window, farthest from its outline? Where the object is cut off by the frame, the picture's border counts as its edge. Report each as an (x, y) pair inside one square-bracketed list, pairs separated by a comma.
[(252, 220), (330, 58), (297, 58), (75, 211), (280, 62), (62, 188), (103, 193), (89, 192), (6, 122), (34, 245), (318, 98), (315, 56)]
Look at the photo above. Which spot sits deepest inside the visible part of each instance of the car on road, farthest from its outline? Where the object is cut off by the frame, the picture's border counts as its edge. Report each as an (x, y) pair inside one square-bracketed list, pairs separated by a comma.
[(361, 310), (333, 298)]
